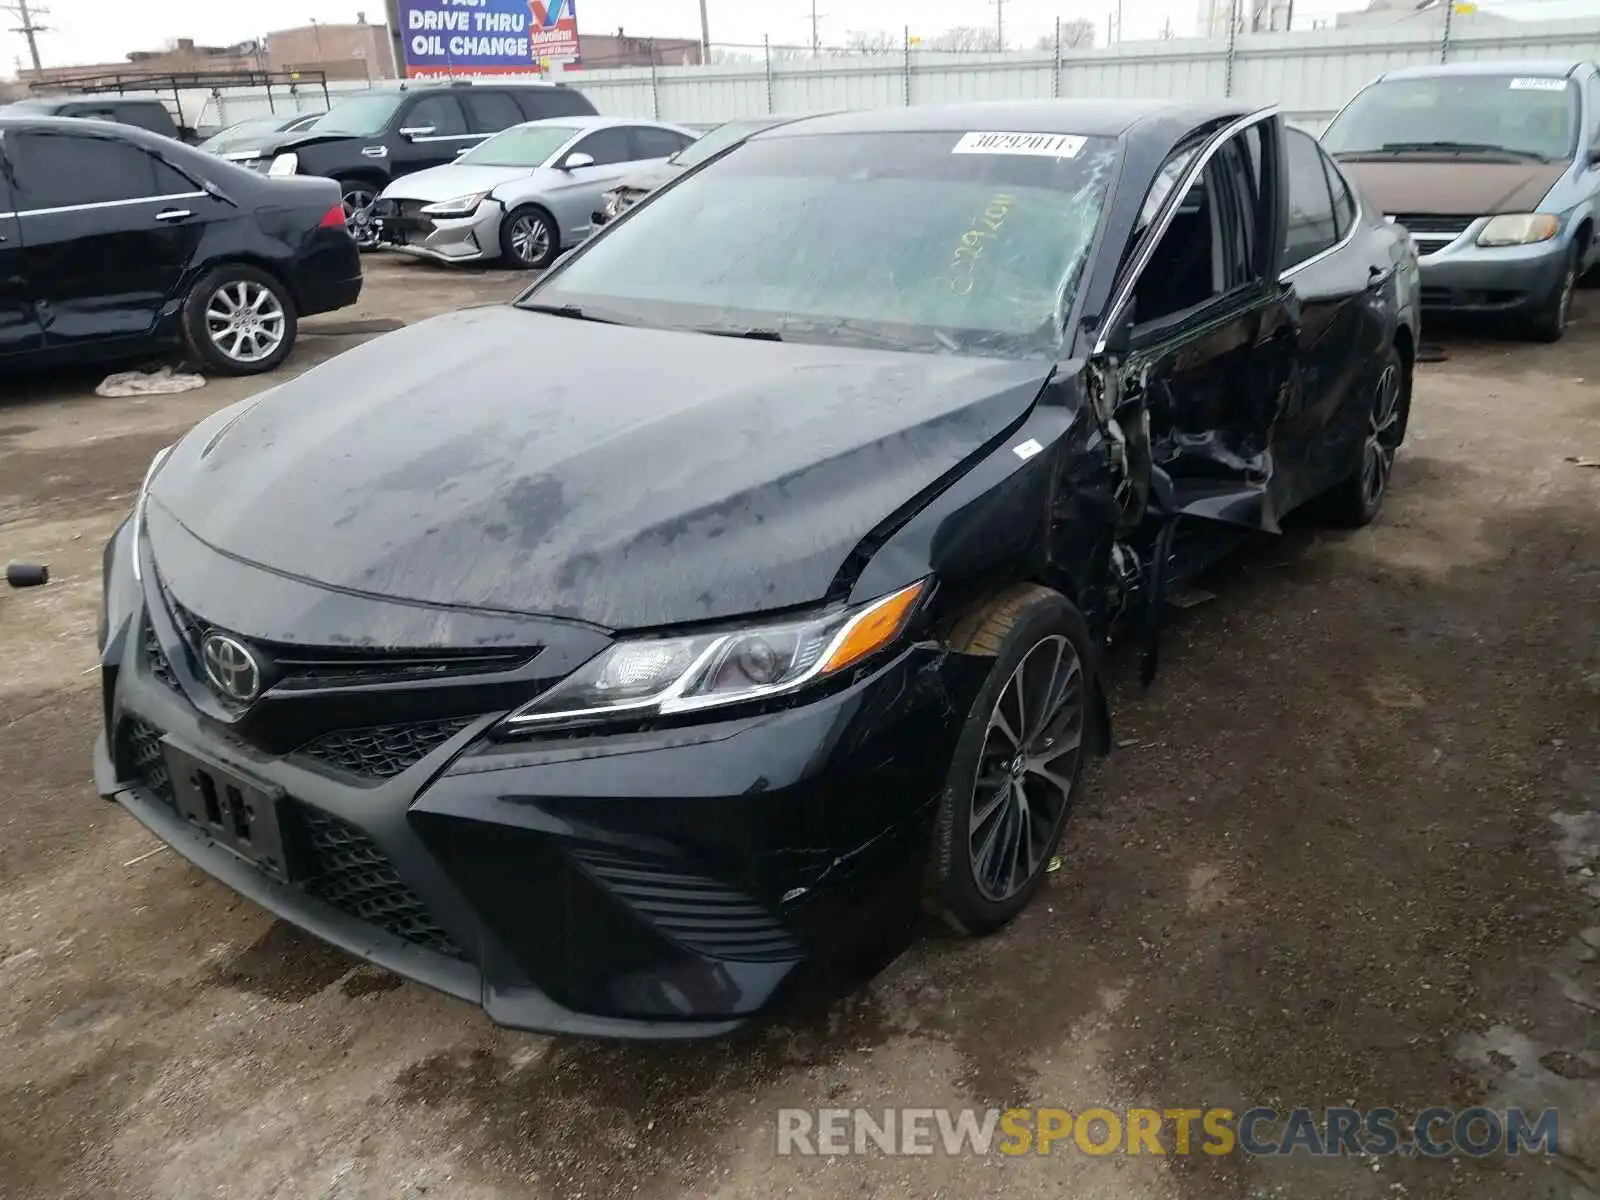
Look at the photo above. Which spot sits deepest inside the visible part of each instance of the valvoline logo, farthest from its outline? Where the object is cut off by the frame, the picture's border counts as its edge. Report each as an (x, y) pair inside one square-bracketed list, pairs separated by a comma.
[(555, 29)]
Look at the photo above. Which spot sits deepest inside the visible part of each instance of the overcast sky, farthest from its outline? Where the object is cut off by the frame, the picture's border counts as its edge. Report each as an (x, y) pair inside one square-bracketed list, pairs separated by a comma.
[(84, 31)]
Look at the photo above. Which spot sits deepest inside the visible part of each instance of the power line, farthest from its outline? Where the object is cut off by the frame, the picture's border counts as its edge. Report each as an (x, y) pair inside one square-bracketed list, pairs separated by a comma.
[(29, 28)]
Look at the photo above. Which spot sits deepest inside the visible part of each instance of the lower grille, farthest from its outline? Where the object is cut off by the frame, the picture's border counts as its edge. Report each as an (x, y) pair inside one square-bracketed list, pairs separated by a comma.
[(700, 914), (384, 751), (349, 872), (146, 763)]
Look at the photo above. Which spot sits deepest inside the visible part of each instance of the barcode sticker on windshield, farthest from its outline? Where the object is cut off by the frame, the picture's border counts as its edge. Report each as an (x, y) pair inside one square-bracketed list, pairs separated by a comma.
[(1539, 85), (1035, 145)]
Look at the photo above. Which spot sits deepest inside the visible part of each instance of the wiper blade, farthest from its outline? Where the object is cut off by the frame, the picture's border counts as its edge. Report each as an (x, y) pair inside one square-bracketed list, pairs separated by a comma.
[(754, 334), (572, 312), (1457, 148)]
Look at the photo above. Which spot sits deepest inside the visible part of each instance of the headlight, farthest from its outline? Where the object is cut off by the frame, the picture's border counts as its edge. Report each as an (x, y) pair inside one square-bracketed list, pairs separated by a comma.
[(1519, 229), (284, 164), (645, 676), (137, 528), (461, 206)]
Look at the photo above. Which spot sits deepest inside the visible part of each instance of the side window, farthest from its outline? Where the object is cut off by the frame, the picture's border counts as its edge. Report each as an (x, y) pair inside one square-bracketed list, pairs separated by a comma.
[(540, 103), (144, 116), (57, 170), (440, 112), (1312, 228), (1210, 247), (608, 146), (490, 112), (1344, 201), (650, 142)]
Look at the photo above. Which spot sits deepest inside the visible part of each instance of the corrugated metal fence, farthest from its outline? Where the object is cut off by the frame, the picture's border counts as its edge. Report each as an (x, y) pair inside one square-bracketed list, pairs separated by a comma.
[(1310, 74)]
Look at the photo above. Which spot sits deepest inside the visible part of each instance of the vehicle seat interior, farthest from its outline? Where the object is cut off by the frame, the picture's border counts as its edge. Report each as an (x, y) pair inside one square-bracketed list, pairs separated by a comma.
[(1184, 271)]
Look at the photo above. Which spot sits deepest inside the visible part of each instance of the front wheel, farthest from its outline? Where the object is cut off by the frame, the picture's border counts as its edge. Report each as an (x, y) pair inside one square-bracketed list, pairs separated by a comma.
[(1018, 761), (238, 320), (528, 239), (360, 200), (1549, 322)]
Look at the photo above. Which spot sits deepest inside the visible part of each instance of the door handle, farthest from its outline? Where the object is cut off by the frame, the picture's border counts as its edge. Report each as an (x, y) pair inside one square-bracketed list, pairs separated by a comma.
[(174, 214)]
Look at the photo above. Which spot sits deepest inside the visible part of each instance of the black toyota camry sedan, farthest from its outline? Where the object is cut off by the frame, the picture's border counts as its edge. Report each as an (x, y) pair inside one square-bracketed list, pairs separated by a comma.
[(627, 658)]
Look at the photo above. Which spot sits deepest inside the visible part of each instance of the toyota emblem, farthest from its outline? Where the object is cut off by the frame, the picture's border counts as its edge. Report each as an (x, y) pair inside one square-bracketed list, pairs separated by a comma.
[(232, 670)]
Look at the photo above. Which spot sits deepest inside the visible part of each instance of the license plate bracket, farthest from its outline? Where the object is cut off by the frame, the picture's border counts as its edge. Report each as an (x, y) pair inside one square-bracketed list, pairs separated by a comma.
[(238, 814)]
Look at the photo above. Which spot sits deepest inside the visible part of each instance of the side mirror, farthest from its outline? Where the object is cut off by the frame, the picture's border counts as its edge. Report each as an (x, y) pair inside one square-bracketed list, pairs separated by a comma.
[(577, 159), (412, 132)]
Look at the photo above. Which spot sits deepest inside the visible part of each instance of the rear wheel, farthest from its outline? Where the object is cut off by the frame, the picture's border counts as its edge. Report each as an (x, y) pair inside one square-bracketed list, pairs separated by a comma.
[(1358, 500), (238, 320), (1549, 322), (360, 199), (529, 240), (1018, 761)]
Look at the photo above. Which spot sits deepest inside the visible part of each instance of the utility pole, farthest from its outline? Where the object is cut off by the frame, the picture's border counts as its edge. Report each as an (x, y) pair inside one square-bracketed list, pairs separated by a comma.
[(999, 23), (816, 30), (705, 35), (29, 28)]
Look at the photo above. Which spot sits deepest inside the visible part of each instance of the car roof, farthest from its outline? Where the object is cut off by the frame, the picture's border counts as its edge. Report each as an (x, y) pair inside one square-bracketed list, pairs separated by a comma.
[(116, 129), (1489, 66), (1090, 118)]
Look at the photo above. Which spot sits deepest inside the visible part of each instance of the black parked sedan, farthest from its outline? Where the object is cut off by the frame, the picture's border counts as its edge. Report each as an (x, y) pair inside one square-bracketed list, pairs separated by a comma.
[(115, 242), (625, 657)]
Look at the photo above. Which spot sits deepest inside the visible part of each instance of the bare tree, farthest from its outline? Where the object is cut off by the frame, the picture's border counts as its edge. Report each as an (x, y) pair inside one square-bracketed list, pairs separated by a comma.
[(858, 41), (1076, 34), (964, 39)]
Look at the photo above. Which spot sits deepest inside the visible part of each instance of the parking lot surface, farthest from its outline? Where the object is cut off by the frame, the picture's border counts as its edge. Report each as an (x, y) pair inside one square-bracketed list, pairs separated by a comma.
[(1343, 855)]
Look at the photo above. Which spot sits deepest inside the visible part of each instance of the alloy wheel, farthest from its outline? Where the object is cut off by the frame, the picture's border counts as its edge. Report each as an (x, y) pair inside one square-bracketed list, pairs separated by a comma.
[(1026, 768), (245, 321), (1383, 430), (530, 239), (358, 206)]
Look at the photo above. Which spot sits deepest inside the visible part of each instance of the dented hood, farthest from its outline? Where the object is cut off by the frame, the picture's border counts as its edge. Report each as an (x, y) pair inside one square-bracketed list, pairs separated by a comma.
[(506, 460), (1452, 188)]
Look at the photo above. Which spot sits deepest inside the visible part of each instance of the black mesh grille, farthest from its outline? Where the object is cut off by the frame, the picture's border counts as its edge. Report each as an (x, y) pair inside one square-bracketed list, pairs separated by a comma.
[(145, 762), (700, 914), (160, 667), (349, 872), (384, 751)]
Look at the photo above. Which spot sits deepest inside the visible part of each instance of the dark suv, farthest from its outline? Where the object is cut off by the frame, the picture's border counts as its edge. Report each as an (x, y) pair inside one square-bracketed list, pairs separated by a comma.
[(371, 139), (141, 114)]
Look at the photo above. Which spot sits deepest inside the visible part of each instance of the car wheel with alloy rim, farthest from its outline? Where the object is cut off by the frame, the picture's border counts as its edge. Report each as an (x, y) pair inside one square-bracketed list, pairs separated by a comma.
[(1549, 323), (238, 320), (360, 200), (528, 239), (1358, 500), (1018, 761)]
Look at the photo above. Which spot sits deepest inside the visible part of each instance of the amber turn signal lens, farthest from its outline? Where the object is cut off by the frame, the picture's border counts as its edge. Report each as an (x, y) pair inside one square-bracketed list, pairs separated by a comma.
[(874, 628)]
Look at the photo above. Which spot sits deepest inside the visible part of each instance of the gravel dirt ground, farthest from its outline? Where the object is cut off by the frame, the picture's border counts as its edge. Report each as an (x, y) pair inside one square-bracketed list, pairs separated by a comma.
[(1343, 855)]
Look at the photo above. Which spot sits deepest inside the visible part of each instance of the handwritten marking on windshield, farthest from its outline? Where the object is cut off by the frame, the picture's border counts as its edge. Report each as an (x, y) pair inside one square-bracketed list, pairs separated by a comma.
[(964, 264), (1033, 145)]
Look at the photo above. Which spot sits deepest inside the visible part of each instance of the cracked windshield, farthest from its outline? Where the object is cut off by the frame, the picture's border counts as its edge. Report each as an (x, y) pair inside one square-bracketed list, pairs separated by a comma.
[(807, 239)]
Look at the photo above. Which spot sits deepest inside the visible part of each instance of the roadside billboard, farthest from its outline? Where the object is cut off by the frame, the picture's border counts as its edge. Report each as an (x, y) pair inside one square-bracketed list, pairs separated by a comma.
[(487, 37)]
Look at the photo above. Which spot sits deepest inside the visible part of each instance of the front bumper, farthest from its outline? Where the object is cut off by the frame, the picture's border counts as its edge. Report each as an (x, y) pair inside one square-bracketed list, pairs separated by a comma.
[(662, 884), (402, 227), (1463, 277)]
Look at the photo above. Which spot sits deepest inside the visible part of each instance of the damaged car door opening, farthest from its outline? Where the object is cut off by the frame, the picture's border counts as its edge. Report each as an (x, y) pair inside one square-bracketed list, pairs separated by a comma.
[(643, 694)]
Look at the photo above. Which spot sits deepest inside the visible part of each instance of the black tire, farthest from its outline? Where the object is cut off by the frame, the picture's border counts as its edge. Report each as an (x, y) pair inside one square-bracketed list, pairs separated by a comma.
[(1549, 322), (358, 216), (205, 311), (1014, 628), (1358, 500), (529, 238)]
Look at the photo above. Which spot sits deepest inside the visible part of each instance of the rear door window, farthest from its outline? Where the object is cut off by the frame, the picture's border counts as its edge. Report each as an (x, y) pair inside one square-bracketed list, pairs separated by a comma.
[(56, 170), (651, 142), (539, 103), (1312, 225), (1344, 201), (490, 112), (145, 116)]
